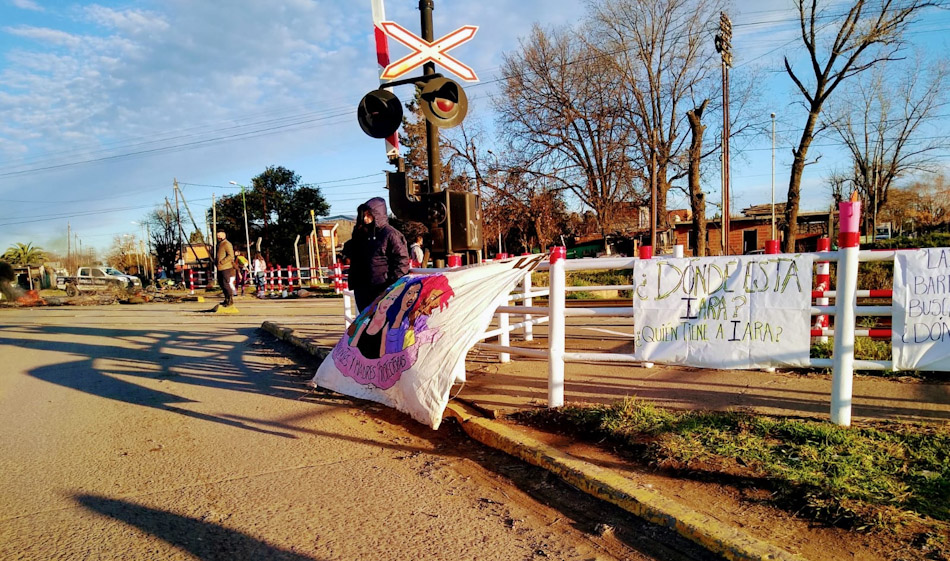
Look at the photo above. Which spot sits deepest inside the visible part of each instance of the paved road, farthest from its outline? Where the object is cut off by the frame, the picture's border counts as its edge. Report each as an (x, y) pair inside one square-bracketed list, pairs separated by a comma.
[(162, 432)]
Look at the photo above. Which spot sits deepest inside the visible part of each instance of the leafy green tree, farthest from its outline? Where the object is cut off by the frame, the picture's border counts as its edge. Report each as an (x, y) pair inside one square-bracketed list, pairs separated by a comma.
[(278, 209), (24, 254)]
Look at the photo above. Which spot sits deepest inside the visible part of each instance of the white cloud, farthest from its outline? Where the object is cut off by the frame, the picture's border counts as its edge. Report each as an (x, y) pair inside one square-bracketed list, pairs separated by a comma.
[(27, 5), (134, 22), (44, 35)]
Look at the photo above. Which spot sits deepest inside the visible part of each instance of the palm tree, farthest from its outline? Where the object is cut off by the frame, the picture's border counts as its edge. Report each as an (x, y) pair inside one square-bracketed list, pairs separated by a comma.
[(24, 254)]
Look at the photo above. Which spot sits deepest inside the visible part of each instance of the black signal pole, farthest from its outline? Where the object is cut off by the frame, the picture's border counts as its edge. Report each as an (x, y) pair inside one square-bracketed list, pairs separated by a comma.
[(432, 131)]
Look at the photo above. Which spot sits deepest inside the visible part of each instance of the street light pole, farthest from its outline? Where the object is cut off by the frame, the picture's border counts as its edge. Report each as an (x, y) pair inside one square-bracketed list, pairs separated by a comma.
[(247, 233), (773, 176)]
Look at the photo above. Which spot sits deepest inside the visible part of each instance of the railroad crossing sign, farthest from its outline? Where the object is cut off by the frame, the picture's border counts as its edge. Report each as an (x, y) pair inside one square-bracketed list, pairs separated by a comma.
[(424, 51)]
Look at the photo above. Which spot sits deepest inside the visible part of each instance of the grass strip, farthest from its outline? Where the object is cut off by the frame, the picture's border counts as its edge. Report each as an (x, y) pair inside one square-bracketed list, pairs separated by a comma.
[(859, 477)]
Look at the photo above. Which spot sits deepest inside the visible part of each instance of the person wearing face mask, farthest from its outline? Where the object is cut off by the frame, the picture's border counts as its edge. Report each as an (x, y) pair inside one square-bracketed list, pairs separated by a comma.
[(377, 252)]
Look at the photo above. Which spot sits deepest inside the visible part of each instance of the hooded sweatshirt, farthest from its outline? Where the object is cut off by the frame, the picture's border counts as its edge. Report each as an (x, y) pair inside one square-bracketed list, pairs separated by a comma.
[(378, 253)]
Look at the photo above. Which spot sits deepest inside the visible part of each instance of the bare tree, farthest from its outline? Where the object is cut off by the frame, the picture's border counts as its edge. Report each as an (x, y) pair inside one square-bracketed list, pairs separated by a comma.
[(879, 119), (930, 206), (697, 198), (560, 109), (515, 202), (866, 34), (666, 60)]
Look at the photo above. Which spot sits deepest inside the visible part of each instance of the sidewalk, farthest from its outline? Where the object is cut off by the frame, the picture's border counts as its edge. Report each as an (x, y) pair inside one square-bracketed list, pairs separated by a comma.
[(493, 389)]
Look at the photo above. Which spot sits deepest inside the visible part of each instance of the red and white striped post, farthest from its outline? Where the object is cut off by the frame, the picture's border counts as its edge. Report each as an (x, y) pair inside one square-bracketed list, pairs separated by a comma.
[(280, 279), (556, 327), (191, 280), (842, 375), (823, 280), (337, 278), (382, 59)]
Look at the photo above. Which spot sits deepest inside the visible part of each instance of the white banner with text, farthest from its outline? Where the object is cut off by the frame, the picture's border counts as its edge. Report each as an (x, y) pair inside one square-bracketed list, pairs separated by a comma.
[(749, 311), (920, 330)]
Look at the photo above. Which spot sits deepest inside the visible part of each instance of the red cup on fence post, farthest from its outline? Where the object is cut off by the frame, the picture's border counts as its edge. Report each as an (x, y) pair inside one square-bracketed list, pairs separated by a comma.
[(455, 261), (772, 247), (646, 252)]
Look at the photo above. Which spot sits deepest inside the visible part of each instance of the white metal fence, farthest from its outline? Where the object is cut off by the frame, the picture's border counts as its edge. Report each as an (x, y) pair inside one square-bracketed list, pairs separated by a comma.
[(521, 305)]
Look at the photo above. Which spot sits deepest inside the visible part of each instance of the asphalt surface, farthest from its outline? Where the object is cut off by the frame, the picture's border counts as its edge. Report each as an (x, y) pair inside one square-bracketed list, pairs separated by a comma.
[(163, 431)]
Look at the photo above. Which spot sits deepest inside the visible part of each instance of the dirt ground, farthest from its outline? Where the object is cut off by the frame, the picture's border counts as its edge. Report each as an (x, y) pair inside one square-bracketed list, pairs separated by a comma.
[(737, 500)]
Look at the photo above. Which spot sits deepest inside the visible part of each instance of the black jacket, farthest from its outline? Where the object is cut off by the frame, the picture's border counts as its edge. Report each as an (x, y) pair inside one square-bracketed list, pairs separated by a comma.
[(378, 254)]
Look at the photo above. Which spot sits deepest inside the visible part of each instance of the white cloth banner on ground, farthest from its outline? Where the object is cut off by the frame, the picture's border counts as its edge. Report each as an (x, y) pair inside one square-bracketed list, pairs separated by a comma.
[(723, 312), (920, 334), (405, 350)]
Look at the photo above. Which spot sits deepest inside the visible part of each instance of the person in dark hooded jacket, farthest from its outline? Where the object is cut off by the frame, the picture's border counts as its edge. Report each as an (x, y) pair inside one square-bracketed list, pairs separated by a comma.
[(377, 252)]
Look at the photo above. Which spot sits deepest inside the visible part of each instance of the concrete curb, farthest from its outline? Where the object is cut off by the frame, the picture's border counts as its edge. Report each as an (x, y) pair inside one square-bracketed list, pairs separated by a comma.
[(614, 488), (602, 483), (287, 334)]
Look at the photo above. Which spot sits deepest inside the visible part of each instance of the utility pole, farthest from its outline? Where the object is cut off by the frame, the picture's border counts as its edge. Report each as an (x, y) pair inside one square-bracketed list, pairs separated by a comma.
[(653, 205), (181, 245), (724, 47), (432, 131), (69, 257)]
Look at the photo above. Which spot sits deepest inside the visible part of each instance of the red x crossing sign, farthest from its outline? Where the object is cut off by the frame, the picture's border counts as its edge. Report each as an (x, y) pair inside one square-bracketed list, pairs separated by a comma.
[(424, 51)]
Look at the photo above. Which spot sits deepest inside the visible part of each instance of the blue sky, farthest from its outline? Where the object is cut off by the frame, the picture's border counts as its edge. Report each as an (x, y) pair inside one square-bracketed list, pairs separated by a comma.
[(103, 104)]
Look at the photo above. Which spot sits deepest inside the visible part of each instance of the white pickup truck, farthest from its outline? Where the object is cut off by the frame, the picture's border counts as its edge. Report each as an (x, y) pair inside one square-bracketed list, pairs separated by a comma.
[(97, 279)]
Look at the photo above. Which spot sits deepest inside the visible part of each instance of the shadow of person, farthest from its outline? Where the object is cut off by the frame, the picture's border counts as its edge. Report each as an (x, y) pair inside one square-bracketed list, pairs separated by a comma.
[(83, 376), (204, 540)]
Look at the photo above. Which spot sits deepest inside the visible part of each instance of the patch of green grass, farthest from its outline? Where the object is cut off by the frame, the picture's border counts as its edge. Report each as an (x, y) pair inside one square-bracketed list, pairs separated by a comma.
[(857, 477)]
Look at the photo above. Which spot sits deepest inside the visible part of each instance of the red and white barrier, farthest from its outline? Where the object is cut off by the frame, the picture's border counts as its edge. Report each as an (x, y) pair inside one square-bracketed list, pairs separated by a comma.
[(823, 280)]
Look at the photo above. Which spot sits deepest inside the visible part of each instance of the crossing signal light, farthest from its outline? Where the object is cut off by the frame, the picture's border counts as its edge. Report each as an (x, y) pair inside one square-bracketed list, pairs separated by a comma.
[(379, 113), (444, 102)]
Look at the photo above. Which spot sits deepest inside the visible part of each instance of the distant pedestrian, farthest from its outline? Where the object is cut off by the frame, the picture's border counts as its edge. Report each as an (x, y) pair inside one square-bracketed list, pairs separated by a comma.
[(241, 270), (416, 255), (225, 261), (377, 252), (258, 269)]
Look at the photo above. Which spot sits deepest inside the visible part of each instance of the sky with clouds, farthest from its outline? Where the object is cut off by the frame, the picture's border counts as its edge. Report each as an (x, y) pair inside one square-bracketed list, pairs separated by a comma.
[(103, 105)]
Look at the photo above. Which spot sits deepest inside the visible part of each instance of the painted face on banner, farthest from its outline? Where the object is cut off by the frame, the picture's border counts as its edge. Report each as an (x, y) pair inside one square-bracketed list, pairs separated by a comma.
[(432, 302), (412, 294)]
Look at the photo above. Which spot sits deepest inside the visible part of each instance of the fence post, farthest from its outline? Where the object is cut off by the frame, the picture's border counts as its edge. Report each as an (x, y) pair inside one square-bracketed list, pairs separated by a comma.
[(347, 311), (526, 285), (556, 328), (823, 278), (504, 326), (842, 375)]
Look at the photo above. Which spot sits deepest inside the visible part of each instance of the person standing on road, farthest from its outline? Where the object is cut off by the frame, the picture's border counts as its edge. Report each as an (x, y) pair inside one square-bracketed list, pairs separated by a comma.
[(241, 270), (259, 268), (225, 260), (377, 252)]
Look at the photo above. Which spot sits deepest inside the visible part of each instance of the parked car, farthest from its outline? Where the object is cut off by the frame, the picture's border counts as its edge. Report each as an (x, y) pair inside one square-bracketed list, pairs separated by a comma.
[(97, 279)]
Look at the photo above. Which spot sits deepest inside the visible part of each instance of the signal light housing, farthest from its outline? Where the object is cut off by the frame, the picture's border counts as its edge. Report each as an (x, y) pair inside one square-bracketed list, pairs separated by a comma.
[(379, 113), (444, 102)]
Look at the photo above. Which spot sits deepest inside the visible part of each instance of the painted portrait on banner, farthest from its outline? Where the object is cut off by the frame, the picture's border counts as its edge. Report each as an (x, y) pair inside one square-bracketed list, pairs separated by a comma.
[(920, 332), (406, 349), (748, 311)]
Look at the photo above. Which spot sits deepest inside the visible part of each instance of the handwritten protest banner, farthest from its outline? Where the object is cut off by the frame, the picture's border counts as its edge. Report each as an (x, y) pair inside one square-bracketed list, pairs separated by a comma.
[(920, 331), (723, 312), (407, 348)]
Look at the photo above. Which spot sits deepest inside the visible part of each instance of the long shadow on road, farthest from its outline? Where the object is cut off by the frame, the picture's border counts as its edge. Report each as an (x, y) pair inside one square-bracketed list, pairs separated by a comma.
[(205, 540), (107, 355)]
